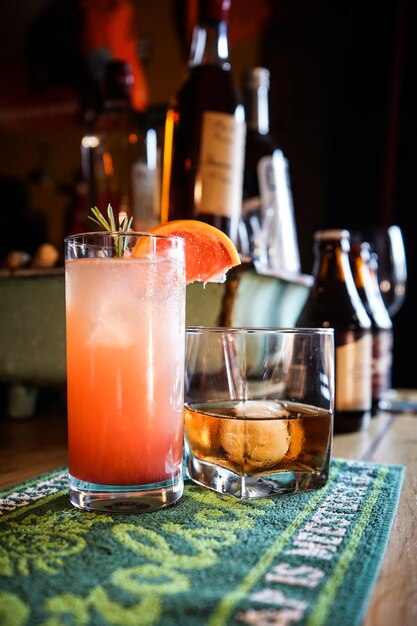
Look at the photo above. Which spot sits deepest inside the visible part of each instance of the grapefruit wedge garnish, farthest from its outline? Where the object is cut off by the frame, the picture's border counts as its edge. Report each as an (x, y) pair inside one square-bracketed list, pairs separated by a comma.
[(209, 252)]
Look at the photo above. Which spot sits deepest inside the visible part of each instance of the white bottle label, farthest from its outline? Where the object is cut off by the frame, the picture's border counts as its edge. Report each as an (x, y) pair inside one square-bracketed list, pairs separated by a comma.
[(276, 197), (219, 180), (353, 375)]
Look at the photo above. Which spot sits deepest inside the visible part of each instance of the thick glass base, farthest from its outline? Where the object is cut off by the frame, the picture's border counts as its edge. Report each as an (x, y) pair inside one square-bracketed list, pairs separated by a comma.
[(250, 487), (125, 499)]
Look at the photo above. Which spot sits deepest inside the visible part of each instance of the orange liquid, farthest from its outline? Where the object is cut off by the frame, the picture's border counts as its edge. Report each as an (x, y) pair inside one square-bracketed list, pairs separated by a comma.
[(125, 413)]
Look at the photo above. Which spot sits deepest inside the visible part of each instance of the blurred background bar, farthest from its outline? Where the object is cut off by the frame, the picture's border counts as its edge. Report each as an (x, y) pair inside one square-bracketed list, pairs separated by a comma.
[(342, 106)]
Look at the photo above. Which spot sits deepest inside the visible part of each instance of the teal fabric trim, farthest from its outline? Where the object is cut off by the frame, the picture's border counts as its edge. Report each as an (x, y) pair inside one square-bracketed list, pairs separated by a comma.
[(307, 559)]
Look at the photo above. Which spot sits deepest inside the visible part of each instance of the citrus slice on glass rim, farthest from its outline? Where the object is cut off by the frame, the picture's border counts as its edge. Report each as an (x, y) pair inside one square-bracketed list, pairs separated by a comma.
[(209, 252)]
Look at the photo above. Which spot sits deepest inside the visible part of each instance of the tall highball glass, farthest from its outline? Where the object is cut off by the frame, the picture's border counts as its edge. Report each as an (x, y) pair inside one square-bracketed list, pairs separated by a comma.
[(125, 325)]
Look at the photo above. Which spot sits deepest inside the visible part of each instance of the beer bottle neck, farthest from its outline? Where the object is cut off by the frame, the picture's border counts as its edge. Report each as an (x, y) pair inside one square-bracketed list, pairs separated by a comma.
[(331, 262), (332, 272)]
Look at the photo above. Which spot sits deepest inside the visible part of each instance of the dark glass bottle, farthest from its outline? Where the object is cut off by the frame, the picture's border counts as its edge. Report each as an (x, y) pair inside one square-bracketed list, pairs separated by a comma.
[(267, 197), (364, 267), (205, 132), (334, 302), (119, 153)]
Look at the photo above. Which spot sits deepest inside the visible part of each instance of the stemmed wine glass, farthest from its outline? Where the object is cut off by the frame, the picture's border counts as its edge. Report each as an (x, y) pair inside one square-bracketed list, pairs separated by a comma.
[(388, 243)]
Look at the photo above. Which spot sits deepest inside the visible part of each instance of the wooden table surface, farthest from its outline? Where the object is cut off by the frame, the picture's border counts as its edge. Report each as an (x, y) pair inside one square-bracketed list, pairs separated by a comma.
[(31, 446)]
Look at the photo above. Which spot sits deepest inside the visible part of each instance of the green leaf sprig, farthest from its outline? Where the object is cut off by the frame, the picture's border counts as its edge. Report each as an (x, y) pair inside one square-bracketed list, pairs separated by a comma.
[(125, 224)]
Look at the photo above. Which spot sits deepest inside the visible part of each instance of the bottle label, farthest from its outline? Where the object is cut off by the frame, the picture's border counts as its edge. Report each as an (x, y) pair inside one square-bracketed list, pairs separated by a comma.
[(381, 362), (276, 200), (221, 163), (353, 372)]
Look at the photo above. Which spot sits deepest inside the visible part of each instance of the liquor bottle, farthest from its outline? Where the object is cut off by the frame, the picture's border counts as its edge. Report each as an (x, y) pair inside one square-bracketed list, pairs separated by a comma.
[(205, 131), (267, 197), (334, 302), (119, 153), (364, 268)]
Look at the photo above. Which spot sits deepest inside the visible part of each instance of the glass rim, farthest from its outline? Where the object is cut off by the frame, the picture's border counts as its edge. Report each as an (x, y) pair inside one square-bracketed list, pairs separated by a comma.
[(261, 330), (115, 233)]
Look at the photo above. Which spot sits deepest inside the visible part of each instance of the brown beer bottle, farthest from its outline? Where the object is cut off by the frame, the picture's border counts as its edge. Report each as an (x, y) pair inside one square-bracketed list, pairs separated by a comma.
[(364, 267), (334, 302)]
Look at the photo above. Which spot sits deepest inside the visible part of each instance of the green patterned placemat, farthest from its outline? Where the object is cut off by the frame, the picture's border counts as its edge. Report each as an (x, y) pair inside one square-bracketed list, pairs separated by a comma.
[(309, 558)]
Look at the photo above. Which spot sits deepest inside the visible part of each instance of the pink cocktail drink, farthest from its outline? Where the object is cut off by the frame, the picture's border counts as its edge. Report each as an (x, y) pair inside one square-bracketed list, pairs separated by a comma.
[(125, 363)]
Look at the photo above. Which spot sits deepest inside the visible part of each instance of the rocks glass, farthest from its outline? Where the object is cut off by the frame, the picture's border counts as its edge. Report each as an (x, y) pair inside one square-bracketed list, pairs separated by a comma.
[(259, 409)]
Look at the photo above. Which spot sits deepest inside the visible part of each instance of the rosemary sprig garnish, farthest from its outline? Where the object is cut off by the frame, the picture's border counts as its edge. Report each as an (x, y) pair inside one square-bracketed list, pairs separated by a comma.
[(125, 224)]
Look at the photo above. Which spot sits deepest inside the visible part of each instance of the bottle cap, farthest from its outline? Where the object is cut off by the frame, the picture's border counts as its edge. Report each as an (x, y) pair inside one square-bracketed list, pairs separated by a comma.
[(256, 77), (214, 10), (332, 233)]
